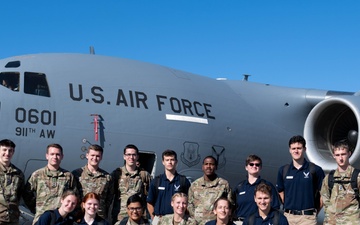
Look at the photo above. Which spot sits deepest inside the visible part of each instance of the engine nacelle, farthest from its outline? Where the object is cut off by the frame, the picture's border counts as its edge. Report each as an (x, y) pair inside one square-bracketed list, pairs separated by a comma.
[(332, 120)]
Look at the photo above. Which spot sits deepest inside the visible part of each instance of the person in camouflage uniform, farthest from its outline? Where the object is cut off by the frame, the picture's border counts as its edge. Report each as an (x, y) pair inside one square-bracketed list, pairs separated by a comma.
[(45, 186), (179, 202), (128, 180), (206, 190), (12, 184), (91, 178), (341, 206)]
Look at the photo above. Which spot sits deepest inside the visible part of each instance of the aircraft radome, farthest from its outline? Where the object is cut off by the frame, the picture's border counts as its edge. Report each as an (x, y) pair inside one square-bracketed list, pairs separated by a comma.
[(77, 100)]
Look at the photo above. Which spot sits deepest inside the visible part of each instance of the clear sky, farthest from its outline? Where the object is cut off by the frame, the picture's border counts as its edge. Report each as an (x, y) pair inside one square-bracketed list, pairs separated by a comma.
[(296, 43)]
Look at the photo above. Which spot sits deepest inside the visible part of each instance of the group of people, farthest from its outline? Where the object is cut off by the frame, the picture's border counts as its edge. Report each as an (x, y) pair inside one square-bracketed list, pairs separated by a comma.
[(128, 196)]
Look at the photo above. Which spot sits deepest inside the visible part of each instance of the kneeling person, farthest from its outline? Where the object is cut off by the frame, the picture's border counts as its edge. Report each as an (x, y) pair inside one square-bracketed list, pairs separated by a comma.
[(135, 210), (179, 203), (60, 216), (223, 210), (265, 214)]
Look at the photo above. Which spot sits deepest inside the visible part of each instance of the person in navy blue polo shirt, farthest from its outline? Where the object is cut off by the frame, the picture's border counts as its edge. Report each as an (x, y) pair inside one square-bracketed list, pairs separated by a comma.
[(298, 184), (265, 214), (61, 216), (244, 191), (164, 186), (222, 209)]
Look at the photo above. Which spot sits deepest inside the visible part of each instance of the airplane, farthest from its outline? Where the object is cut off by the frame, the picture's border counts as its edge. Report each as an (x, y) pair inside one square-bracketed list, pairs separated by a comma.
[(81, 99)]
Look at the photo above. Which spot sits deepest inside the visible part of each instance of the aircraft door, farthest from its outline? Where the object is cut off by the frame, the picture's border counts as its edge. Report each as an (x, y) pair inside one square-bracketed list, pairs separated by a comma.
[(147, 161), (33, 164)]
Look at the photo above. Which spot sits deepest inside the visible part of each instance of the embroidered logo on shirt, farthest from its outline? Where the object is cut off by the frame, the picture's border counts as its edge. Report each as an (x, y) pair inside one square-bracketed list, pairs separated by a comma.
[(306, 175), (176, 187)]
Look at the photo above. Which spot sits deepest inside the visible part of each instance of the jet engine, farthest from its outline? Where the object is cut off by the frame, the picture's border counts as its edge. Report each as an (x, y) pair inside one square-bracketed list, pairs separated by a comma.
[(333, 119)]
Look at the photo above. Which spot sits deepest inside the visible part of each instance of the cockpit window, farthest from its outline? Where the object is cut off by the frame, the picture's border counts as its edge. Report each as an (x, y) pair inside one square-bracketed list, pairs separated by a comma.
[(36, 84), (10, 80)]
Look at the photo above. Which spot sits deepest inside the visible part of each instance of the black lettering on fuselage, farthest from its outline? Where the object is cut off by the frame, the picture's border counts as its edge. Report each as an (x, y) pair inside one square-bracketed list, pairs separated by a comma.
[(47, 133), (208, 111), (141, 98), (95, 91), (196, 105), (121, 99), (134, 98), (159, 102), (80, 92), (131, 99), (175, 105), (34, 116), (185, 106)]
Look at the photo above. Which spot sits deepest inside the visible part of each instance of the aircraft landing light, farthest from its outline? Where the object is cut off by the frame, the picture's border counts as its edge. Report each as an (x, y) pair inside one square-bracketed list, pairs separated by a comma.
[(186, 119)]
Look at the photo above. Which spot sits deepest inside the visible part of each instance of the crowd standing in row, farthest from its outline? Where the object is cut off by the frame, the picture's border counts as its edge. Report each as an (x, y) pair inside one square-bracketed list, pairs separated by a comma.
[(51, 193)]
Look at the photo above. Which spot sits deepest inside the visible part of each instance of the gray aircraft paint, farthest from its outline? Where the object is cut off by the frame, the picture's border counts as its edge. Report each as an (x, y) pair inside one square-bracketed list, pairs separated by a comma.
[(158, 108)]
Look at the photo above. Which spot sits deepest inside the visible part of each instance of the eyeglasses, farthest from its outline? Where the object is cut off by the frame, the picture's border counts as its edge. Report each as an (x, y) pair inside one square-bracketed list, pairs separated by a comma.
[(255, 164), (133, 209), (130, 155)]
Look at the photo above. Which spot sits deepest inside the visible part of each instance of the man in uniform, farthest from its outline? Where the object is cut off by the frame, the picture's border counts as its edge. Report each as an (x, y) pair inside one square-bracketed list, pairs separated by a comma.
[(164, 186), (244, 191), (91, 178), (206, 190), (128, 180), (12, 185), (45, 186), (265, 214), (341, 203), (298, 184)]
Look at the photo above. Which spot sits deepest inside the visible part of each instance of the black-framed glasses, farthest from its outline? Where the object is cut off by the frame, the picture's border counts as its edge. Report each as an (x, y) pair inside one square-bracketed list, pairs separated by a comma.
[(255, 164), (138, 209)]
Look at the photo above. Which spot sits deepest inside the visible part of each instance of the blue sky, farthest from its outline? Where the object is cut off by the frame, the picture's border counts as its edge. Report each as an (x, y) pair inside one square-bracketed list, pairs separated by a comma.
[(302, 43)]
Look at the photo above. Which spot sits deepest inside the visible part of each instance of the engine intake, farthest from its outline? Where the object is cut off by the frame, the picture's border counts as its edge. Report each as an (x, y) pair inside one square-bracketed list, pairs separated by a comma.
[(332, 120)]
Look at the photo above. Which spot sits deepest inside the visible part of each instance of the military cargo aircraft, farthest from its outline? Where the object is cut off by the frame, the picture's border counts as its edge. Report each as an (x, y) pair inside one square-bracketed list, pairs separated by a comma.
[(77, 100)]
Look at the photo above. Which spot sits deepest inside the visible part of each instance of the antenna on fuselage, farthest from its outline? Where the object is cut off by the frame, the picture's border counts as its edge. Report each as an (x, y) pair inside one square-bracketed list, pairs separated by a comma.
[(246, 77), (92, 50)]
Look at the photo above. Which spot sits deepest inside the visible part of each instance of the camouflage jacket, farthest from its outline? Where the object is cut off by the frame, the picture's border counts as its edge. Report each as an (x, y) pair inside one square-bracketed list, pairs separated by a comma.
[(168, 220), (342, 207), (203, 194), (99, 183), (128, 221), (12, 182), (44, 188), (126, 185)]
